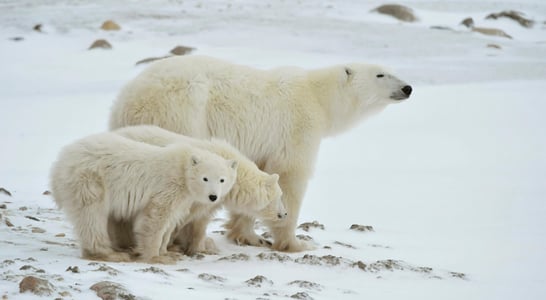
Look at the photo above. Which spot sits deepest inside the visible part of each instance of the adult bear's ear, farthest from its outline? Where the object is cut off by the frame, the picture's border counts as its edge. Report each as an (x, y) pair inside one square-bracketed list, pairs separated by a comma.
[(194, 160), (348, 72)]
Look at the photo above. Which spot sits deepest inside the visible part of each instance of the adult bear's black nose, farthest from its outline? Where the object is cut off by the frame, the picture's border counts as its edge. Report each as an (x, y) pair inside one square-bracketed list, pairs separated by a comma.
[(213, 197), (407, 90)]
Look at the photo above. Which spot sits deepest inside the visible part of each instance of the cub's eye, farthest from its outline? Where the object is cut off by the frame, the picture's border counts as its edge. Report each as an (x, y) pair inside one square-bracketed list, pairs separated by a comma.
[(205, 179), (222, 180), (380, 75)]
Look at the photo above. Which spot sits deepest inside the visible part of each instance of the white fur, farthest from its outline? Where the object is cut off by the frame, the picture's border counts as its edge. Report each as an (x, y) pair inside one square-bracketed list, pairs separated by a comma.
[(106, 176), (254, 194), (277, 117)]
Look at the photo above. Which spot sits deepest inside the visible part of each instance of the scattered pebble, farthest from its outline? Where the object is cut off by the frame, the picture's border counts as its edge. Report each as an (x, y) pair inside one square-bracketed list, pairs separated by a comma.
[(307, 285), (3, 206), (103, 44), (274, 256), (304, 237), (308, 225), (154, 270), (32, 218), (108, 290), (514, 15), (181, 50), (37, 27), (37, 286), (258, 281), (17, 38), (400, 12), (210, 277), (73, 269), (38, 230), (310, 259), (60, 235), (301, 296), (45, 193), (363, 228), (494, 46), (4, 191), (150, 59), (345, 245), (110, 25), (23, 208), (236, 257)]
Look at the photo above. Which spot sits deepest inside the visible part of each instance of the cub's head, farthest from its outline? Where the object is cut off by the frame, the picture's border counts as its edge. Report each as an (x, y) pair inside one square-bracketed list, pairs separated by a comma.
[(371, 84), (257, 194), (209, 177)]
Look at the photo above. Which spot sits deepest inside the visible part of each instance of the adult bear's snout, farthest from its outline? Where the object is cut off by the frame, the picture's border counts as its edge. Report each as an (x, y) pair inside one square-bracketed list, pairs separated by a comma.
[(213, 198), (407, 90)]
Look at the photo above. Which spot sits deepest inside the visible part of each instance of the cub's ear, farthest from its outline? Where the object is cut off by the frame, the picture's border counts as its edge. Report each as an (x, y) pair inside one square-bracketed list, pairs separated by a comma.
[(194, 160), (233, 164), (273, 179)]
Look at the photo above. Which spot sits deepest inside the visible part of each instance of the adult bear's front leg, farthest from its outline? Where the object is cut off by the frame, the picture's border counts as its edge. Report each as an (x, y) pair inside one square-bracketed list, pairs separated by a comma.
[(284, 231), (241, 231)]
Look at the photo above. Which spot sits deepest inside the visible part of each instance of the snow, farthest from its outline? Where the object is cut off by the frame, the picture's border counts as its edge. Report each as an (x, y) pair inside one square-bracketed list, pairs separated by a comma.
[(452, 179)]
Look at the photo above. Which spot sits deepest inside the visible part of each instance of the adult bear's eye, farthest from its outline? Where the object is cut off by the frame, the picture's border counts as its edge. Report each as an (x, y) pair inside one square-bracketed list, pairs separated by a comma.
[(380, 75), (222, 180), (205, 179)]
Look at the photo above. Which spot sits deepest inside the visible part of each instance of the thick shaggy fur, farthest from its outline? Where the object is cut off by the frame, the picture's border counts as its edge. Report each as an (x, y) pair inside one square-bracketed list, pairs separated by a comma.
[(255, 193), (277, 117), (106, 176)]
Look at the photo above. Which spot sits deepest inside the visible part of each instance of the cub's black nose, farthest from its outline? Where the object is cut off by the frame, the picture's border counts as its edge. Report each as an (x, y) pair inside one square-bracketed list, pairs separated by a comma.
[(407, 90), (213, 197)]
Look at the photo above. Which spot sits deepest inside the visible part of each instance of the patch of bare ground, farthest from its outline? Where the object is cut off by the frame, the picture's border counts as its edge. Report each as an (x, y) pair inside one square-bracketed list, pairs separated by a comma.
[(308, 225)]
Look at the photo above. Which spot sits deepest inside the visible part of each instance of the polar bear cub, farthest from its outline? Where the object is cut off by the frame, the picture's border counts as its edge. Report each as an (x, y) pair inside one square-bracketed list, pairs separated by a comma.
[(255, 193), (106, 176)]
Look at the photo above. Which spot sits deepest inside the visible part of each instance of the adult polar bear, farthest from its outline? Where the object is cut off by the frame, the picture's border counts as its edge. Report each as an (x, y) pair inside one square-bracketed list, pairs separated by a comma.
[(275, 117)]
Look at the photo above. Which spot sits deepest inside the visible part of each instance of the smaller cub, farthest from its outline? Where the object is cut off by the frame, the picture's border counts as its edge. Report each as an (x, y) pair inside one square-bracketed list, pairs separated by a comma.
[(109, 177), (255, 193)]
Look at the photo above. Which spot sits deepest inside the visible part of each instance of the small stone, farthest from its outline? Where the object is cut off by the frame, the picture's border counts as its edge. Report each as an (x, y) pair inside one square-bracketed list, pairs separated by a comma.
[(181, 50), (37, 286), (308, 225), (154, 270), (73, 269), (235, 257), (468, 22), (400, 12), (17, 38), (362, 228), (210, 277), (103, 44), (4, 191), (150, 59), (110, 25), (514, 15), (304, 237), (32, 218), (60, 235), (8, 223), (360, 265), (494, 46), (345, 245), (38, 230), (274, 256), (37, 27), (108, 290), (3, 206), (491, 31), (23, 208), (301, 296), (46, 193), (258, 280), (306, 285)]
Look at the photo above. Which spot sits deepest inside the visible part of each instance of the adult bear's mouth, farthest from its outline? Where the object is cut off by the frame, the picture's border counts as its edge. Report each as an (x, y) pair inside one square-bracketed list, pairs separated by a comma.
[(403, 93)]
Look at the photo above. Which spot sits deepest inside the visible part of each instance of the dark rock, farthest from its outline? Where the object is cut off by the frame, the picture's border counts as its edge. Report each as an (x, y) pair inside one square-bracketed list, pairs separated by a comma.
[(3, 206), (17, 38), (73, 269), (468, 22), (258, 281), (37, 27), (274, 256), (491, 31), (210, 277), (110, 25), (301, 296), (150, 59), (108, 290), (37, 286), (306, 285), (362, 228), (345, 245), (154, 270), (32, 218), (400, 12), (103, 44), (308, 225), (235, 257), (4, 191), (495, 46), (181, 50), (514, 15), (46, 193)]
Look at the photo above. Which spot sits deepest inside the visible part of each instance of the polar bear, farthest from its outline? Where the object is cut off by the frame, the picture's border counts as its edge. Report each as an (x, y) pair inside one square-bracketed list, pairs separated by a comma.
[(277, 117), (107, 176), (255, 193)]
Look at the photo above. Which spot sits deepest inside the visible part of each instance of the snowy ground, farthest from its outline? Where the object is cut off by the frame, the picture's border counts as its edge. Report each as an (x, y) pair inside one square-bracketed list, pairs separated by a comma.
[(454, 179)]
